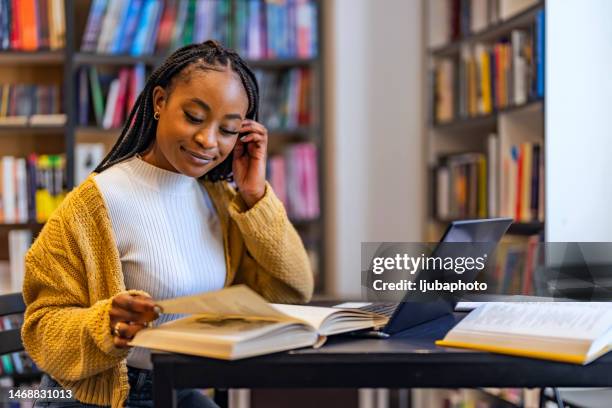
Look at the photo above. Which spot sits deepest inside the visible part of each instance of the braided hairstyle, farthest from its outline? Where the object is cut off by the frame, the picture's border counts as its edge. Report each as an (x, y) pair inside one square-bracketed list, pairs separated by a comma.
[(139, 130)]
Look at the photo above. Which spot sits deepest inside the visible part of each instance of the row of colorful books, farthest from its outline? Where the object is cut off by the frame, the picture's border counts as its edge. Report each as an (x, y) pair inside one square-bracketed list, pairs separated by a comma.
[(453, 20), (516, 265), (285, 98), (31, 25), (501, 183), (107, 98), (19, 102), (32, 187), (489, 77), (294, 178), (257, 28)]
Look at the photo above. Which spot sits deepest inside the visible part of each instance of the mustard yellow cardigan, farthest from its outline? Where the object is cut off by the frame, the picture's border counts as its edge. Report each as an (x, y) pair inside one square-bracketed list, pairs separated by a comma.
[(73, 270)]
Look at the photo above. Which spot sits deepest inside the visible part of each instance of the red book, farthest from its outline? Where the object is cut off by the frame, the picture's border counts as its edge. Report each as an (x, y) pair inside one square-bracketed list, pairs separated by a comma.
[(519, 184), (166, 25), (15, 26), (124, 79)]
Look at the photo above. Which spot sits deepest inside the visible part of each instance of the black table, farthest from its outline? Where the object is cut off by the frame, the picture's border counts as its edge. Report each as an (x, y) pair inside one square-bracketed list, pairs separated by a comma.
[(409, 360)]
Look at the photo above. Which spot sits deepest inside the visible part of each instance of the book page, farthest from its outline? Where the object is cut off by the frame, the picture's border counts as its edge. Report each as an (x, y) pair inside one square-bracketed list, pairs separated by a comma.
[(562, 320), (313, 315), (236, 300)]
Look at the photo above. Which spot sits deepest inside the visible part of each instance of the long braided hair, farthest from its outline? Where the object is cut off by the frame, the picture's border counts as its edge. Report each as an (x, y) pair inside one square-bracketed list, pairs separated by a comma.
[(139, 130)]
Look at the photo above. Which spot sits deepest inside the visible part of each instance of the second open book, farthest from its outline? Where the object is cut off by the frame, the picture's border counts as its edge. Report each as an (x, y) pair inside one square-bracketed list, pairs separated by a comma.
[(564, 331), (236, 322)]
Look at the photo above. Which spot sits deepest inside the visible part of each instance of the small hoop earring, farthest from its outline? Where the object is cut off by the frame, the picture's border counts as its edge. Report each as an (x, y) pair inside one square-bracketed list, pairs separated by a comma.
[(156, 115)]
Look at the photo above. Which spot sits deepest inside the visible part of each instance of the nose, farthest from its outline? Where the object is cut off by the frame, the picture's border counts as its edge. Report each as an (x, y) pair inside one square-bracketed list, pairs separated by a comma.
[(206, 137)]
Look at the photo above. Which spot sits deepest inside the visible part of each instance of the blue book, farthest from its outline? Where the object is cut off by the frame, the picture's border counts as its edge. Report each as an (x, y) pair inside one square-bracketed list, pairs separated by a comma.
[(540, 53), (115, 44), (139, 45), (94, 25), (131, 24), (154, 27)]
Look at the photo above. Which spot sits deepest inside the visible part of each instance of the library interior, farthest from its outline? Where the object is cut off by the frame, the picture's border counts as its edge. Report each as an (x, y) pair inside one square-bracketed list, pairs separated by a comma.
[(386, 121)]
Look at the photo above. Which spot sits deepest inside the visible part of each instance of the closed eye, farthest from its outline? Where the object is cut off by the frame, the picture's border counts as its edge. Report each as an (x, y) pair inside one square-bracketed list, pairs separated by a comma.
[(229, 132), (192, 118)]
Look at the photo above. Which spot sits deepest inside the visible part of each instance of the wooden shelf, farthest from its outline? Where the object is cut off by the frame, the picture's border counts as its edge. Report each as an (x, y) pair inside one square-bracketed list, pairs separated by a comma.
[(83, 58), (29, 129), (488, 121), (32, 57), (521, 20)]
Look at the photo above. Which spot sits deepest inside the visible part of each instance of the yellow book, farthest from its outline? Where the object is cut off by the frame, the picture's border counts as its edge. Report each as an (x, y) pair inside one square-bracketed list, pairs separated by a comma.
[(45, 203), (485, 81), (570, 332), (482, 188), (4, 104), (472, 86)]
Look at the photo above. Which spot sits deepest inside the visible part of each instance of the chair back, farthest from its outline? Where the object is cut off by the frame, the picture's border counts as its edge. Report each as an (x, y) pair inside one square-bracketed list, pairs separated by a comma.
[(10, 338)]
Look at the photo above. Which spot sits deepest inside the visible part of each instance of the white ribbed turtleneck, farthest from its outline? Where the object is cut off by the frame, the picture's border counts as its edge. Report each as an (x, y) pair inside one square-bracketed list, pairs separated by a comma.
[(167, 233)]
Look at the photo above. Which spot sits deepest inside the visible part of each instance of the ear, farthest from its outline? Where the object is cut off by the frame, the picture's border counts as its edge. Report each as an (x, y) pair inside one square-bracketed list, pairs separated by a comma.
[(159, 98)]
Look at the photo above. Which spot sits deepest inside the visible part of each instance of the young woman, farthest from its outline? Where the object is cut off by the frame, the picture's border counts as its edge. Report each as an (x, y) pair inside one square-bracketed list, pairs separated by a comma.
[(159, 219)]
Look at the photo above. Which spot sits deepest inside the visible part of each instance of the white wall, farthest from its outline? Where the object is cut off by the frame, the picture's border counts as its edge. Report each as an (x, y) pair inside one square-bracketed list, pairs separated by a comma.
[(578, 120), (375, 117)]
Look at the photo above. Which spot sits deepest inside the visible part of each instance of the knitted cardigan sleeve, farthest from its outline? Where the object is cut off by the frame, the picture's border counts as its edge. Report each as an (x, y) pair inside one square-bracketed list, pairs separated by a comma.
[(66, 327), (274, 261)]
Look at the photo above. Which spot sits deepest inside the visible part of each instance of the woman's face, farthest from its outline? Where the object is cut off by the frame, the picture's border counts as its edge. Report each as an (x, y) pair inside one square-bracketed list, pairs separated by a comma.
[(199, 121)]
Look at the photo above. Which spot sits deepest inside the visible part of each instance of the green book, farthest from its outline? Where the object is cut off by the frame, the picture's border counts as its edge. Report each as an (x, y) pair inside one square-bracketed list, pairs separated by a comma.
[(191, 15), (8, 364), (96, 95)]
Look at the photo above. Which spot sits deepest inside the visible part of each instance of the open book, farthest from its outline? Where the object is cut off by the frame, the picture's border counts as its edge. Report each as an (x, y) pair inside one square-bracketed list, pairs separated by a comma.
[(564, 331), (236, 322)]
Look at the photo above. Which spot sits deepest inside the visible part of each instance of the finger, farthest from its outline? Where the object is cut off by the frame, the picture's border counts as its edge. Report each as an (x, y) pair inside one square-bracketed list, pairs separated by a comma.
[(120, 342), (252, 126), (128, 331), (253, 138), (122, 315), (134, 303)]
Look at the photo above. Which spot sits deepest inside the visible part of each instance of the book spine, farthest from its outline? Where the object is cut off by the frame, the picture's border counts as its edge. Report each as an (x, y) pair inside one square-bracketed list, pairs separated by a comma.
[(58, 23), (124, 78), (8, 185), (94, 25), (83, 97), (16, 25), (111, 104), (167, 23), (96, 95), (125, 16), (43, 23), (540, 50)]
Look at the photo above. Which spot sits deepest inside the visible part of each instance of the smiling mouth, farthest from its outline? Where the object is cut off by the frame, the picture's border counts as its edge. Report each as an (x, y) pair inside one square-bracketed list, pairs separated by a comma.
[(199, 157)]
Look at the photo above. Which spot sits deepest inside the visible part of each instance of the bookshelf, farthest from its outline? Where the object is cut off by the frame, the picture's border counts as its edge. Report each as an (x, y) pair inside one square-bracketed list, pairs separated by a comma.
[(462, 120), (486, 102), (62, 66)]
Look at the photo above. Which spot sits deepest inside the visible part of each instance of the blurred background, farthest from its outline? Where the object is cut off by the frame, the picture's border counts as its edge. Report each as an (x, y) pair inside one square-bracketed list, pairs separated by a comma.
[(387, 118)]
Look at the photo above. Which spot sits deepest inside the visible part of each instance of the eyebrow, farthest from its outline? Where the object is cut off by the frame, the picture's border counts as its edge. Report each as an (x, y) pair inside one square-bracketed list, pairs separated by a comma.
[(205, 106)]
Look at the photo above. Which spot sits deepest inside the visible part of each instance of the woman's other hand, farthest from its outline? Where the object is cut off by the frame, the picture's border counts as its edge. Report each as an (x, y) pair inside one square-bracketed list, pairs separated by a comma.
[(250, 161), (130, 314)]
